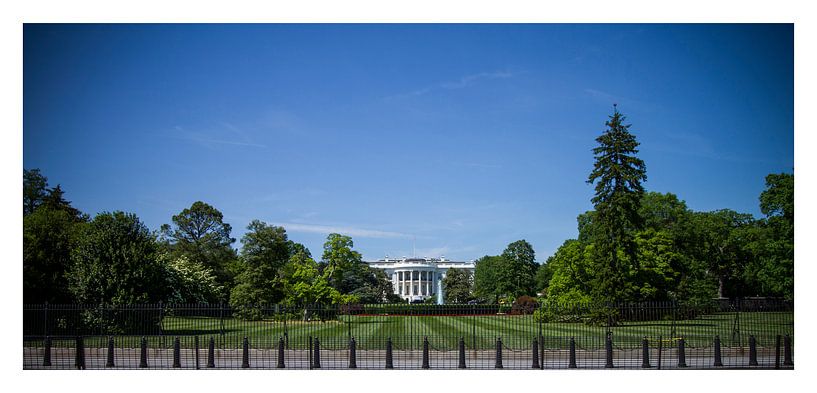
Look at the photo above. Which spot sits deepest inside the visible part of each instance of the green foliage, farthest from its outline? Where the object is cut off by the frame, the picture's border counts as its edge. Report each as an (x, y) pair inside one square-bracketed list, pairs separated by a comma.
[(778, 197), (345, 271), (264, 252), (458, 286), (340, 259), (572, 273), (509, 275), (305, 285), (617, 174), (659, 266), (190, 281), (771, 241), (522, 260), (492, 278), (544, 273), (115, 262), (34, 190), (48, 237), (200, 234)]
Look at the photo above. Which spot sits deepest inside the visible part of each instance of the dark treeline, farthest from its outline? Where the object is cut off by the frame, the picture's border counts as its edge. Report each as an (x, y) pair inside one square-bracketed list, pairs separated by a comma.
[(114, 259)]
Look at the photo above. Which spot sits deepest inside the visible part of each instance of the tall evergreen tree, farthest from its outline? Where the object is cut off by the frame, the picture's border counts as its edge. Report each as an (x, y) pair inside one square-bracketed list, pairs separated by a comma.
[(617, 175)]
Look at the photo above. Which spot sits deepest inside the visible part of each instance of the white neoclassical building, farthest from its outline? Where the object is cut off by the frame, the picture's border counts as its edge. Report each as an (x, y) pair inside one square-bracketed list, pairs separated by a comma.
[(419, 278)]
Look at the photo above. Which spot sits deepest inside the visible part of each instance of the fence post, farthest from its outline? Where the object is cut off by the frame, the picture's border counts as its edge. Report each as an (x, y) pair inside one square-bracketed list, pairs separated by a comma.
[(143, 353), (660, 349), (462, 353), (787, 358), (425, 353), (498, 353), (608, 349), (280, 353), (645, 353), (177, 358), (45, 328), (211, 353), (572, 362), (718, 362), (352, 353), (682, 358), (535, 363), (79, 359), (47, 352), (196, 345), (752, 351), (777, 352), (389, 364), (245, 353), (110, 362), (317, 357)]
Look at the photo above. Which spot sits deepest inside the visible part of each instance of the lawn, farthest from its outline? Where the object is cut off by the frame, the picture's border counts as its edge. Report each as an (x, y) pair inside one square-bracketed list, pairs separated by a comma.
[(481, 331)]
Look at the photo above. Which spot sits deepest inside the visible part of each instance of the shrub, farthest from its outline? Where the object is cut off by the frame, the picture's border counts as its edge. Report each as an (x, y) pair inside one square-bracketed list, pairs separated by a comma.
[(524, 305)]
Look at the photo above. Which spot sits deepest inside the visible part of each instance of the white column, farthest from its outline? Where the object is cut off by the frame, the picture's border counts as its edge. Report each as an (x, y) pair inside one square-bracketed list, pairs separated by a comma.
[(440, 295)]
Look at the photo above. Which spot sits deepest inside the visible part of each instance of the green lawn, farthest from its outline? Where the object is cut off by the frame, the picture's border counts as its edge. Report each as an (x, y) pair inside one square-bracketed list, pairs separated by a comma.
[(443, 332)]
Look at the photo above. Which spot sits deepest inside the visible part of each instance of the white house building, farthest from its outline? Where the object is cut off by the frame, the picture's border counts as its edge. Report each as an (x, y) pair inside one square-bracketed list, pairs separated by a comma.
[(419, 278)]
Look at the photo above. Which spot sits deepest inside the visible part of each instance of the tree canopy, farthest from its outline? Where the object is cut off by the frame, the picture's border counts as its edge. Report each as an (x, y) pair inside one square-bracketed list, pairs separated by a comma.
[(116, 262), (458, 286), (200, 234)]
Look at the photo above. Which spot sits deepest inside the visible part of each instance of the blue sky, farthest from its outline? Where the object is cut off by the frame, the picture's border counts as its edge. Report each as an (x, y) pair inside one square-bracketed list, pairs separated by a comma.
[(463, 137)]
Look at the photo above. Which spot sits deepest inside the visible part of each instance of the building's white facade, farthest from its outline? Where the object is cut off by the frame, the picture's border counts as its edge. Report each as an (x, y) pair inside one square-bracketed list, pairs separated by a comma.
[(419, 278)]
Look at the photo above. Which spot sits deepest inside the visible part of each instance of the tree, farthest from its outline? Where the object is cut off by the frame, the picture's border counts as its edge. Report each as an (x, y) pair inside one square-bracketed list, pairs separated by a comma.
[(190, 281), (494, 278), (458, 286), (34, 190), (522, 260), (339, 258), (201, 235), (720, 236), (659, 266), (770, 271), (264, 252), (116, 263), (306, 286), (617, 175), (543, 275), (777, 200), (663, 212), (573, 269), (344, 269), (48, 237)]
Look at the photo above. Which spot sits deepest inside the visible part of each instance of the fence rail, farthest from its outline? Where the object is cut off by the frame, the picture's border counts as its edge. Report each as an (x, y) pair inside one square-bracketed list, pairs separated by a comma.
[(741, 334)]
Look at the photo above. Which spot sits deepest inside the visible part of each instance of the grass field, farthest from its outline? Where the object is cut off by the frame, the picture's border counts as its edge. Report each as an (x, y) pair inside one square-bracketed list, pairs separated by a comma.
[(482, 331)]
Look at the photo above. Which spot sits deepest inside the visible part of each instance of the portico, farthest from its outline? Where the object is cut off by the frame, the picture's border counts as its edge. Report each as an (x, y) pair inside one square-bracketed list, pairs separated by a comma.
[(416, 279)]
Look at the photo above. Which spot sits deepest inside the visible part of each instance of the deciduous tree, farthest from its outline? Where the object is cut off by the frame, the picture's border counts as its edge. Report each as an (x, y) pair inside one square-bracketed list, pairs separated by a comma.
[(200, 234), (458, 286)]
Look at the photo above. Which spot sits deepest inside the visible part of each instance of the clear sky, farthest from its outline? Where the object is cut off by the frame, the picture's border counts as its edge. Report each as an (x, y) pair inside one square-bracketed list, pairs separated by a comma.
[(463, 137)]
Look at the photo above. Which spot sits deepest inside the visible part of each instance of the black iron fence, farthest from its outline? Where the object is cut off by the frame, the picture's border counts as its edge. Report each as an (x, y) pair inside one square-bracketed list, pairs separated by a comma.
[(660, 335)]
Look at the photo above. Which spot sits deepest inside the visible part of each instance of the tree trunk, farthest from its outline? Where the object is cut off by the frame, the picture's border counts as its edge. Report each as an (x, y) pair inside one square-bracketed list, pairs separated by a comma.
[(720, 286)]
